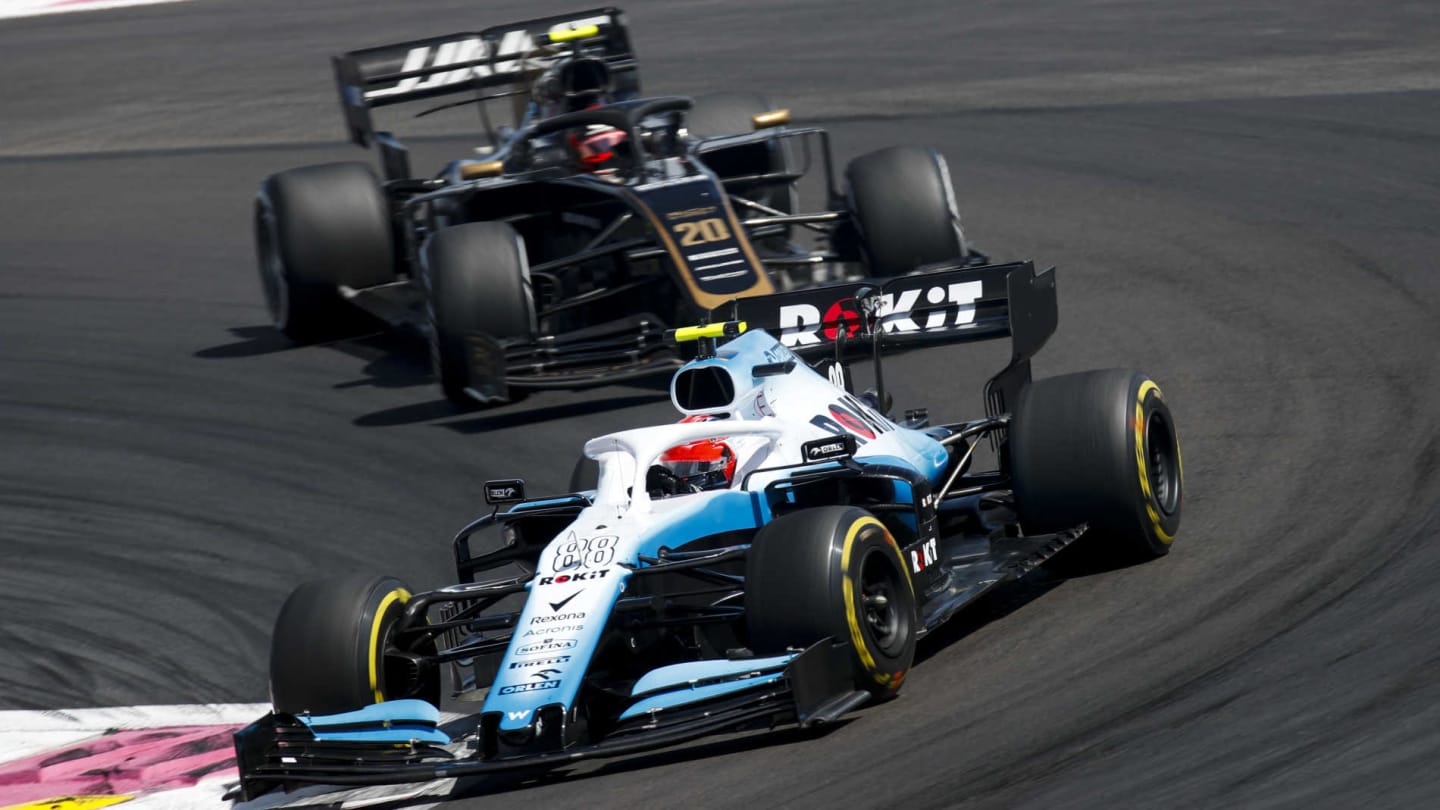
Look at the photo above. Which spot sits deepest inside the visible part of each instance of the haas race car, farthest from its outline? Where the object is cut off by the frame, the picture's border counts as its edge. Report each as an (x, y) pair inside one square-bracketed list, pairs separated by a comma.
[(771, 558), (559, 254)]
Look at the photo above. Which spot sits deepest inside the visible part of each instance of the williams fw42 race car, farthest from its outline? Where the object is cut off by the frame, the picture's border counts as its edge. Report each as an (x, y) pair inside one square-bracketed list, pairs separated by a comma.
[(771, 558), (598, 218)]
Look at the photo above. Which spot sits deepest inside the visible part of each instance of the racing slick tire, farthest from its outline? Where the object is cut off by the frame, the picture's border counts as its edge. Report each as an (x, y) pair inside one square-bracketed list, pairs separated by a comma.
[(327, 654), (719, 114), (1100, 448), (903, 205), (318, 228), (833, 571), (477, 279)]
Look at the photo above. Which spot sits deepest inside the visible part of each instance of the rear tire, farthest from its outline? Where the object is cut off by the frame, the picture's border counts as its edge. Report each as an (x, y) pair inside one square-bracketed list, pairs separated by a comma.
[(1098, 447), (318, 228), (904, 207), (327, 654), (478, 281), (833, 571)]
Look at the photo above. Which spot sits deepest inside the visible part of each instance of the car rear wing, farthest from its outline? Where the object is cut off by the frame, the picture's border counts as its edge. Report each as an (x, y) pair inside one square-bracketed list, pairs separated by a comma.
[(942, 304), (496, 62)]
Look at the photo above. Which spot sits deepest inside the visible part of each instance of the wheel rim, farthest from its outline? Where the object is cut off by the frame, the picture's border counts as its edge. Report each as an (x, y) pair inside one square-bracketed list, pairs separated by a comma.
[(1162, 462), (886, 623), (272, 267)]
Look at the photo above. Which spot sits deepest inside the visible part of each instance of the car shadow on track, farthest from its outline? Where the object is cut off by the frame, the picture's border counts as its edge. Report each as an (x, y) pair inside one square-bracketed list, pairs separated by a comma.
[(442, 409), (392, 359), (1075, 562), (253, 341), (402, 360), (407, 362), (695, 752)]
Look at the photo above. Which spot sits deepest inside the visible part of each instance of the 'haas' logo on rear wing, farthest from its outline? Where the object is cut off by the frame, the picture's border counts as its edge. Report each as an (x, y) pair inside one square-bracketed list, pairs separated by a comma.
[(517, 50)]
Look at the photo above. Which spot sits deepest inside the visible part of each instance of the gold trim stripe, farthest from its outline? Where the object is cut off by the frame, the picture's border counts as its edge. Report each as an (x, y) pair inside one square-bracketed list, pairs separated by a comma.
[(702, 298)]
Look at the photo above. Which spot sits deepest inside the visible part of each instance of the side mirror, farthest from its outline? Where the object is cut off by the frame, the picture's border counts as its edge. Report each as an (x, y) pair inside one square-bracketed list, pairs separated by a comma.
[(510, 490)]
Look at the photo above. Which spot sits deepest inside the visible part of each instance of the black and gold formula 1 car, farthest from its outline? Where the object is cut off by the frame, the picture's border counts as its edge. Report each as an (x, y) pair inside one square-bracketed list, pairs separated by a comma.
[(558, 256)]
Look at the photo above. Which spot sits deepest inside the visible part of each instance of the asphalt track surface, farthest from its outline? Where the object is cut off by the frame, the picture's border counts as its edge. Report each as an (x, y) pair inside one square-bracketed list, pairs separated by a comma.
[(1241, 197)]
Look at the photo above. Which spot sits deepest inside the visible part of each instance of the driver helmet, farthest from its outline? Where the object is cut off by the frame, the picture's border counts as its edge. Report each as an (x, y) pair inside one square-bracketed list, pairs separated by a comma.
[(597, 147), (573, 83), (706, 464)]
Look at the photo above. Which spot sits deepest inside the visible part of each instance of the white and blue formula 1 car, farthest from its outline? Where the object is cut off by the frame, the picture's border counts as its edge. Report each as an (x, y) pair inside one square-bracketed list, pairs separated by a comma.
[(772, 558)]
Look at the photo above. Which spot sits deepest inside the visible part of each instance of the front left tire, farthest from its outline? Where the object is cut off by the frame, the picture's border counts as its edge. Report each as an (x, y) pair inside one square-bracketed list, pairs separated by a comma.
[(834, 572), (477, 278), (333, 649)]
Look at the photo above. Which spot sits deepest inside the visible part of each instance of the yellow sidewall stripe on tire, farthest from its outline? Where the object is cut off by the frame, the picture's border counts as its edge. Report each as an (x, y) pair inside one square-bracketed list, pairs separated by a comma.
[(1139, 427), (403, 596), (852, 618), (70, 803)]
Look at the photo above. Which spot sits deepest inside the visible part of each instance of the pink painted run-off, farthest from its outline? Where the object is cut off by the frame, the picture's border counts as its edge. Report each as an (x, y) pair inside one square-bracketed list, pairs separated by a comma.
[(122, 762)]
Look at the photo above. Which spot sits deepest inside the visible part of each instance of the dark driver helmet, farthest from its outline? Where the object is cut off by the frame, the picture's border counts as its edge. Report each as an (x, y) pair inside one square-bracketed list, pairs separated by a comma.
[(573, 83), (599, 149)]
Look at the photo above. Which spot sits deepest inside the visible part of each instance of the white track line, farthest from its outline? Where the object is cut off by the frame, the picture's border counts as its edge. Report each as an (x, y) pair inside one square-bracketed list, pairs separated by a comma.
[(209, 795), (128, 717), (34, 8)]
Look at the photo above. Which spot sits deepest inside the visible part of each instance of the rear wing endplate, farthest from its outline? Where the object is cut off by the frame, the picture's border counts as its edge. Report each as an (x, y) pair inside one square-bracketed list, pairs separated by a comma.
[(499, 61), (942, 304)]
